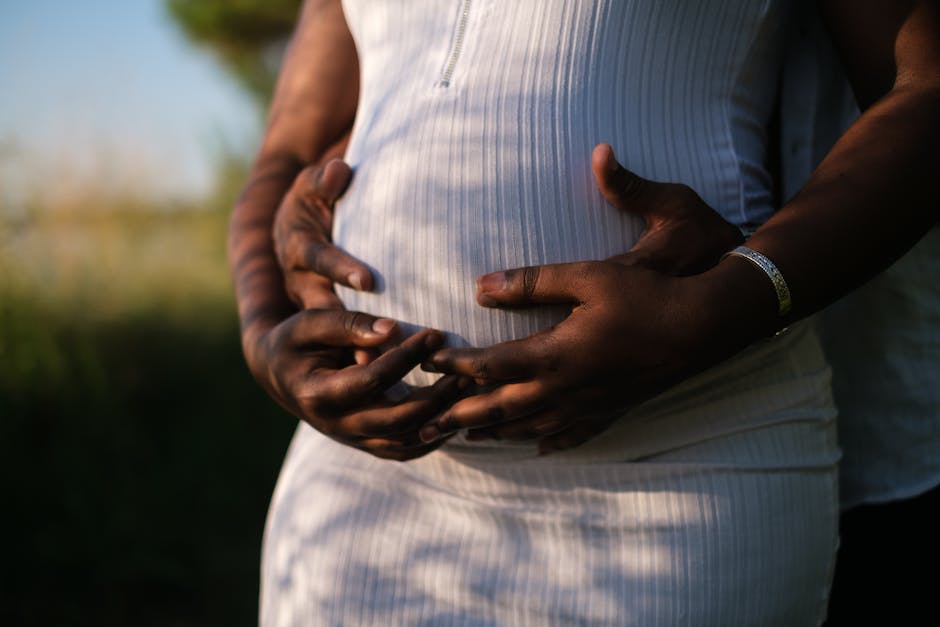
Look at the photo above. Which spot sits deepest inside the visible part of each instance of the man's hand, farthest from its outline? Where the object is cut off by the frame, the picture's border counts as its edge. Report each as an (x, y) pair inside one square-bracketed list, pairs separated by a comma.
[(632, 333), (302, 240), (628, 338), (305, 363), (683, 235)]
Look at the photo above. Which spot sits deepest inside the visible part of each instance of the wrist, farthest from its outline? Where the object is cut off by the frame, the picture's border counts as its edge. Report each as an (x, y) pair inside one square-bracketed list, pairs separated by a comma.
[(736, 305)]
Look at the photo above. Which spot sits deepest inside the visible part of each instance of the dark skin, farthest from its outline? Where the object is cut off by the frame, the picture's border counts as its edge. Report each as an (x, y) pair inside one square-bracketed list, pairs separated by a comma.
[(307, 360), (673, 326), (892, 52)]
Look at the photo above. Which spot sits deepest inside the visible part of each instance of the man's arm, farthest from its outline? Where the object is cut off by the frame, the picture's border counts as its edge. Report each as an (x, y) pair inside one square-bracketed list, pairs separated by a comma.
[(875, 193), (869, 201)]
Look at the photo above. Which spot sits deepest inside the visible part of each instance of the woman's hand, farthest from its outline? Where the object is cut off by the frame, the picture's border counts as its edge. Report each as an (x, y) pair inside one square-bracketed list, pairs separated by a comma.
[(302, 238), (632, 333), (323, 364), (306, 364)]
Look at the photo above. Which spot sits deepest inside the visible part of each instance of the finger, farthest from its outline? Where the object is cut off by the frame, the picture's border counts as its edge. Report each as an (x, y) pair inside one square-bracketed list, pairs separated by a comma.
[(547, 284), (365, 356), (503, 404), (536, 425), (338, 327), (506, 361), (621, 187), (407, 415), (320, 187), (311, 291), (323, 184), (327, 260), (354, 384)]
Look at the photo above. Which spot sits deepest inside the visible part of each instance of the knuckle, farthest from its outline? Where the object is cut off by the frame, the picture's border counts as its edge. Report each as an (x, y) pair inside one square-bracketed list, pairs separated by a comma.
[(319, 256), (353, 322), (586, 270), (530, 279), (481, 368), (312, 405), (631, 186), (293, 251), (371, 382)]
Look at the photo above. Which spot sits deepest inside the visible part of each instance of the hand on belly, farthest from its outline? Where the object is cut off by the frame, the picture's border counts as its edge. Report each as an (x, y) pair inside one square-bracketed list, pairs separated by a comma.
[(621, 344), (628, 337)]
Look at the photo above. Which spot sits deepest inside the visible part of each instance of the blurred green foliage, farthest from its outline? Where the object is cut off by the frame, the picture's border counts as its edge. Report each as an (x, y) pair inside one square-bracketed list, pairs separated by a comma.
[(246, 35), (138, 455)]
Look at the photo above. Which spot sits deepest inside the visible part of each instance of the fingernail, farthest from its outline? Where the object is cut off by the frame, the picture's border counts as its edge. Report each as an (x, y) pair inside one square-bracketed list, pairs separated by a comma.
[(429, 433), (355, 280), (383, 326), (612, 164), (493, 282)]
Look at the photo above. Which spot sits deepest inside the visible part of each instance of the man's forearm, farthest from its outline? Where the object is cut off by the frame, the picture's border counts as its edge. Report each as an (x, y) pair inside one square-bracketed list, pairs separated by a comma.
[(873, 196), (871, 199)]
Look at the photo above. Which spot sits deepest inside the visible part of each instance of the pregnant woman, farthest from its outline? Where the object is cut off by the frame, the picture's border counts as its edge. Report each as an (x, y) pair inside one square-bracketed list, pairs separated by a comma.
[(711, 503)]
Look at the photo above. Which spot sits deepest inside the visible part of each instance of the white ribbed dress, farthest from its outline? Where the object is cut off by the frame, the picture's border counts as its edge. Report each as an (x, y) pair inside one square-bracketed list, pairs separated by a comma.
[(713, 504)]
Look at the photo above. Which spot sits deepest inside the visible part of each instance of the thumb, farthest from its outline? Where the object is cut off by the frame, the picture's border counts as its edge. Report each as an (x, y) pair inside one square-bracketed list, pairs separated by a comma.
[(621, 187), (338, 327), (522, 287), (334, 179)]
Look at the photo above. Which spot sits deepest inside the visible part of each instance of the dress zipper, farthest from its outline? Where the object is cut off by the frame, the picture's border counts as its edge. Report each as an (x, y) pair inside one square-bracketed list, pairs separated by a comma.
[(458, 44)]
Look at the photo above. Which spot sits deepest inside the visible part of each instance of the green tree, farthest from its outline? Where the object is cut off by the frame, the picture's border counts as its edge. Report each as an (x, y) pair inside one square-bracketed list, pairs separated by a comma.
[(248, 36)]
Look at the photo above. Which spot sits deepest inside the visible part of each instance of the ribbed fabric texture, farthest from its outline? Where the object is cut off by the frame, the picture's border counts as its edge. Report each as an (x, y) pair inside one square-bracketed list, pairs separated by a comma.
[(889, 404), (493, 172), (714, 504), (882, 339)]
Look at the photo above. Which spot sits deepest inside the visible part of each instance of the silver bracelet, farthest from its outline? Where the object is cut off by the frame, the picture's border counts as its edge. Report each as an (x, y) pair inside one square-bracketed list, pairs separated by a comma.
[(784, 301)]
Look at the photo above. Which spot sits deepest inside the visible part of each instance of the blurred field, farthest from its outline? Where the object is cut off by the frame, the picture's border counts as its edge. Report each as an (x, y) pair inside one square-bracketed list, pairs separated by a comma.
[(138, 455)]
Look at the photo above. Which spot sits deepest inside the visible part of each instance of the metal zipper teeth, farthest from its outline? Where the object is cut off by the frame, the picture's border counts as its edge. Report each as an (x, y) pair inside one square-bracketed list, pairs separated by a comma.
[(458, 44)]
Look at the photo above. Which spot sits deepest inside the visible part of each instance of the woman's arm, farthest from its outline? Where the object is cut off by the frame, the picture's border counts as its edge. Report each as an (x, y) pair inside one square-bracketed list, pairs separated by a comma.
[(305, 359), (313, 107), (634, 331)]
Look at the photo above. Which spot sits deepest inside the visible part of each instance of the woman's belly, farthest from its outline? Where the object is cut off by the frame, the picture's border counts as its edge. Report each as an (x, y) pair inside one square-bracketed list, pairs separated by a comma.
[(493, 171), (433, 208)]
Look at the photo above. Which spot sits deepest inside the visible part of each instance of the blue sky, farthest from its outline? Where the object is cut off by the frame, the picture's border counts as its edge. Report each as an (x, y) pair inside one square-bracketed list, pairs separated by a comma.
[(109, 88)]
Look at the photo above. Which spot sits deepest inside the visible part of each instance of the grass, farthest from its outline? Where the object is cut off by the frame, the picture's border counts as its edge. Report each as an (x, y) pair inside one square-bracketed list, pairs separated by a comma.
[(138, 455)]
